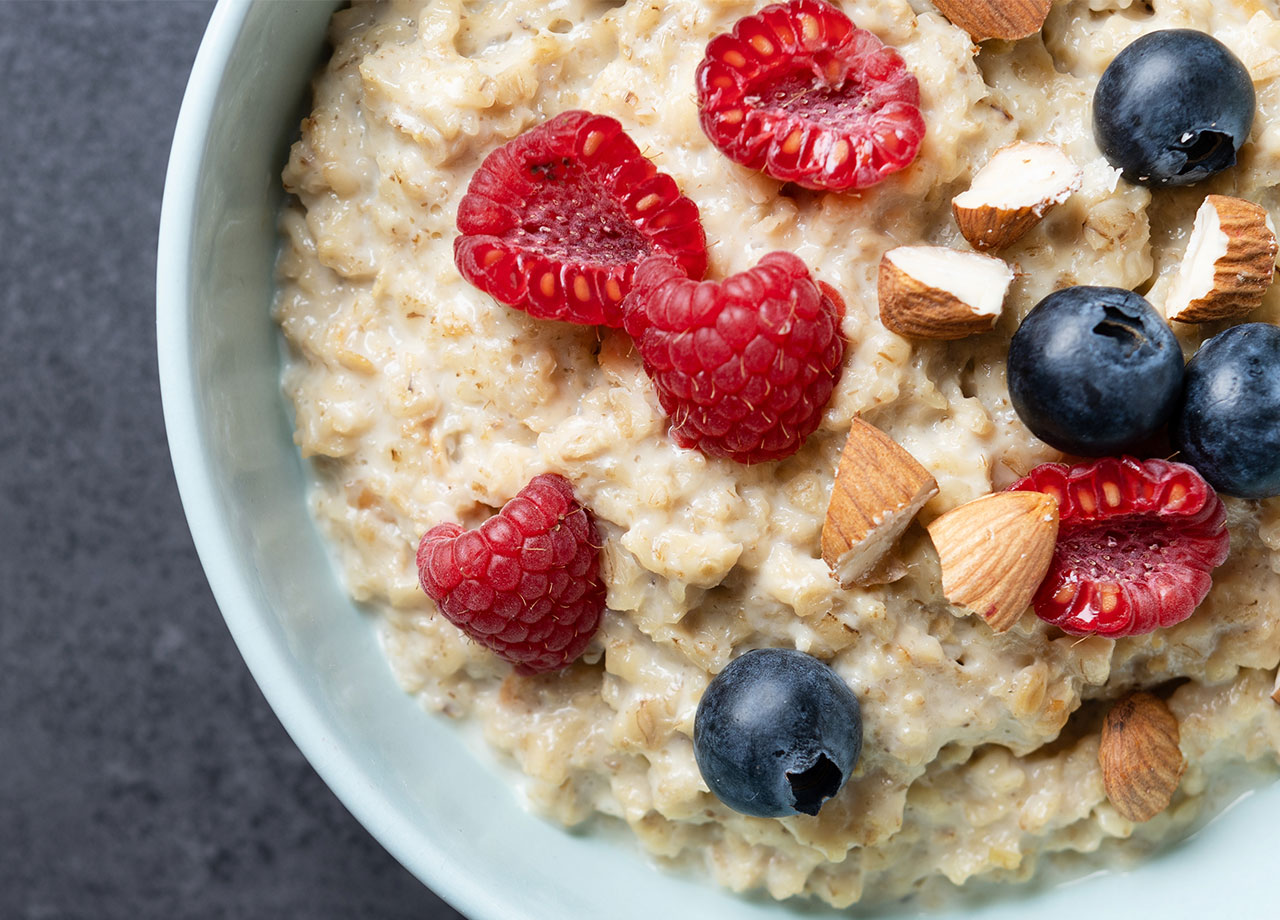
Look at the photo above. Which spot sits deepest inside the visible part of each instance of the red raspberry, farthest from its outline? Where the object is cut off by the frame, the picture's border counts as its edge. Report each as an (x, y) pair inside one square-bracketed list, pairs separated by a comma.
[(555, 221), (1136, 543), (525, 583), (744, 367), (797, 91)]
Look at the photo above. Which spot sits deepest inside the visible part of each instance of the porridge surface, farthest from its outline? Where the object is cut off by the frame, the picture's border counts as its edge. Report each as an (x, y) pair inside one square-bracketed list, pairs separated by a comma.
[(422, 400)]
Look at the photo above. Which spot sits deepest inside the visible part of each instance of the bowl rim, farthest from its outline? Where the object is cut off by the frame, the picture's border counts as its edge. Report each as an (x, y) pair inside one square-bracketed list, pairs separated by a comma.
[(271, 663), (267, 657)]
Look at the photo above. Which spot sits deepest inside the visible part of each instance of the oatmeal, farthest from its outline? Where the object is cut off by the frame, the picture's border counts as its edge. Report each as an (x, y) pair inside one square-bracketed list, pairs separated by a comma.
[(423, 401)]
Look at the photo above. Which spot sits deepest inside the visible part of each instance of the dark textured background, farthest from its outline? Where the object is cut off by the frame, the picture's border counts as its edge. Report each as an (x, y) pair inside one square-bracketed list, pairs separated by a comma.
[(141, 773)]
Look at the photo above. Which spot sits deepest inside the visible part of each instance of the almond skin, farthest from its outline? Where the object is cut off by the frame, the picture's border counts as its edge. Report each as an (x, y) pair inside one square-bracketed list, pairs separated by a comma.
[(879, 488), (990, 229), (994, 552), (1139, 755), (1240, 275), (1007, 19)]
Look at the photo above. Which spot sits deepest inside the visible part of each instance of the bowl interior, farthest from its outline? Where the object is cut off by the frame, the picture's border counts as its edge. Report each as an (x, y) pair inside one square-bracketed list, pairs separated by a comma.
[(430, 793)]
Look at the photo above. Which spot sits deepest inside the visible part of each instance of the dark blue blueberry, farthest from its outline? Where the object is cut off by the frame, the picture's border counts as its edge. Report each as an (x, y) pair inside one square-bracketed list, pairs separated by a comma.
[(777, 733), (1173, 108), (1228, 426), (1094, 371)]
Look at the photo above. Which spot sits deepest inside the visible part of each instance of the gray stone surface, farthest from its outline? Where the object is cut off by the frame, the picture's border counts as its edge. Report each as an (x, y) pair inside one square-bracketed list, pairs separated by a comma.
[(141, 773)]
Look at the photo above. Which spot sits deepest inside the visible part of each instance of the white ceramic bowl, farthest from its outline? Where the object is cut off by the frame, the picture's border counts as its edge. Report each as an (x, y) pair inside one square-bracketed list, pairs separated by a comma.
[(440, 805)]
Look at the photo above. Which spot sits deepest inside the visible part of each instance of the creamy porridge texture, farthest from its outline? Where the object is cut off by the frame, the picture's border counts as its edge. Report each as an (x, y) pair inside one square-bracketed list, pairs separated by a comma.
[(423, 400)]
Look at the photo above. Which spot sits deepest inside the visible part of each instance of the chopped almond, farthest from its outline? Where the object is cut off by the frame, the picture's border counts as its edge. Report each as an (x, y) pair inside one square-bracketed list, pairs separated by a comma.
[(1013, 192), (994, 552), (932, 292), (1229, 264), (1007, 19), (879, 489)]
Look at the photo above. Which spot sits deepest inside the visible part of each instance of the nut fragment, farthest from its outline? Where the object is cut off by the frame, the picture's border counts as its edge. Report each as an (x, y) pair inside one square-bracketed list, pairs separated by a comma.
[(1013, 192), (932, 292), (995, 551), (1229, 264), (1275, 691), (1139, 755), (1008, 19), (889, 569), (879, 488)]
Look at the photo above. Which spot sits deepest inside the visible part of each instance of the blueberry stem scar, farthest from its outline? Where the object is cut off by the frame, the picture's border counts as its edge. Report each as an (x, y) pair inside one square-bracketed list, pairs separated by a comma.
[(1210, 150), (1121, 326), (811, 787)]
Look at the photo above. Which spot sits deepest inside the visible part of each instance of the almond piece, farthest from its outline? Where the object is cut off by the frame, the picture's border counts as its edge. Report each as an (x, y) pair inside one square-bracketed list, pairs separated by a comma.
[(1013, 192), (889, 569), (1229, 264), (879, 489), (995, 551), (932, 292), (1275, 691), (1007, 19), (1139, 755)]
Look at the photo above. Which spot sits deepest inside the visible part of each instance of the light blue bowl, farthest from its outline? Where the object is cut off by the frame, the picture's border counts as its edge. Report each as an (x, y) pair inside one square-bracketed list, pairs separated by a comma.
[(443, 807)]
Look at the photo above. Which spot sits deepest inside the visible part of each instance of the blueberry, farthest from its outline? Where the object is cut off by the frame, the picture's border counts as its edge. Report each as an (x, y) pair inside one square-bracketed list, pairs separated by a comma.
[(1173, 108), (1228, 426), (777, 733), (1094, 370)]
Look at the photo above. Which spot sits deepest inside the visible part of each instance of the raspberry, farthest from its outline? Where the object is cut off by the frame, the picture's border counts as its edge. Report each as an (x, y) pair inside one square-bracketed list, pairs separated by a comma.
[(744, 367), (1136, 543), (525, 583), (555, 221), (797, 91)]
